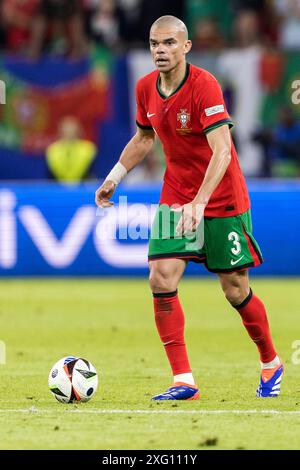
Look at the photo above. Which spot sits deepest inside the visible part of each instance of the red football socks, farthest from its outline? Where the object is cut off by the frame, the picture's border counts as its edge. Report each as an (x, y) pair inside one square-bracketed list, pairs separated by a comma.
[(255, 320), (169, 319)]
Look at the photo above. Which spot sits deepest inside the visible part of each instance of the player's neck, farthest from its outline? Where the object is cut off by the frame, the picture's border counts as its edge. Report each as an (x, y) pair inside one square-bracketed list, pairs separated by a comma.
[(170, 81)]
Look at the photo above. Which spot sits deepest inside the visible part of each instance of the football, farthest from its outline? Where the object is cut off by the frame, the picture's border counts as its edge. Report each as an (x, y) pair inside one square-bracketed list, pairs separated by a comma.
[(73, 379)]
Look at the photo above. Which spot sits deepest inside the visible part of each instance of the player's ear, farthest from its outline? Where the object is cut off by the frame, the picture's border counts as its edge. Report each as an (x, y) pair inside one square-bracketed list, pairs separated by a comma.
[(187, 46)]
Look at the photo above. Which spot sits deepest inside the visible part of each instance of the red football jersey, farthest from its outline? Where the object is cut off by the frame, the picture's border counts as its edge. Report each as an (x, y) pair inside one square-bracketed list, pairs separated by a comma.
[(181, 122)]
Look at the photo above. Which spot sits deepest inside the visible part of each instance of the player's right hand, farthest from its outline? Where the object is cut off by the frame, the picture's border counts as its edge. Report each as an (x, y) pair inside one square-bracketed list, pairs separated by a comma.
[(104, 193)]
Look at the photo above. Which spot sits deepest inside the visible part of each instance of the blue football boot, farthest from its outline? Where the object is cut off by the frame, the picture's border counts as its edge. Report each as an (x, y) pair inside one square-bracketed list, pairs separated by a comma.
[(270, 381), (179, 391)]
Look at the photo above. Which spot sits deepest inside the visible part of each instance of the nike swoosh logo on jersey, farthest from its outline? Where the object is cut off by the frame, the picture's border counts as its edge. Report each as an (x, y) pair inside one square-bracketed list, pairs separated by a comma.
[(233, 262), (150, 115)]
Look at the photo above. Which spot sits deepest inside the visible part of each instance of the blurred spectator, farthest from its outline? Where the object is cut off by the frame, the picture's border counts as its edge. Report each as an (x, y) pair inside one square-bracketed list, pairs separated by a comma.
[(60, 23), (17, 19), (127, 22), (272, 69), (263, 137), (240, 69), (281, 145), (285, 145), (207, 36), (266, 15), (69, 159), (257, 5), (219, 11), (289, 30), (246, 29), (129, 13), (153, 9), (104, 27)]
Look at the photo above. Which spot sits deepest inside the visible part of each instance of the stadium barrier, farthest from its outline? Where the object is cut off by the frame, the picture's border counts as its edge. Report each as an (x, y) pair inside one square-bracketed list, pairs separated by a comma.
[(55, 230)]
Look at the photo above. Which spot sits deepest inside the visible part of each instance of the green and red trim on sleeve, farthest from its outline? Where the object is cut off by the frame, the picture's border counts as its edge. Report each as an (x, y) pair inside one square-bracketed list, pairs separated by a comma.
[(217, 124)]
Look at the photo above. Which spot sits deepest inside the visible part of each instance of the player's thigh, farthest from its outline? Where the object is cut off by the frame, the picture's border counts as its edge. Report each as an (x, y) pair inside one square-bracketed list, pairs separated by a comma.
[(165, 274)]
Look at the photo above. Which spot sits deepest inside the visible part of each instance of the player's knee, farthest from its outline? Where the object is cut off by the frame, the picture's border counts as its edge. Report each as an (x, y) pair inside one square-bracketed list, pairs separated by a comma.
[(161, 281), (235, 287), (235, 292)]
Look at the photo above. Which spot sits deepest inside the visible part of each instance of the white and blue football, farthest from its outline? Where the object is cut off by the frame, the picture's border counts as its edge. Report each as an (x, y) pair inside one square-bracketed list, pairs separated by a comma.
[(73, 379)]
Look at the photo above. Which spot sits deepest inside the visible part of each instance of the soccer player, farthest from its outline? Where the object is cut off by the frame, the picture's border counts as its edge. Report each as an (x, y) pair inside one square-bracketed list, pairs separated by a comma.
[(203, 187)]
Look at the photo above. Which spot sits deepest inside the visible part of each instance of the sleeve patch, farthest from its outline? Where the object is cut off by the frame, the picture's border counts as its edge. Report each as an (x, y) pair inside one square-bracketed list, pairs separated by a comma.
[(214, 110)]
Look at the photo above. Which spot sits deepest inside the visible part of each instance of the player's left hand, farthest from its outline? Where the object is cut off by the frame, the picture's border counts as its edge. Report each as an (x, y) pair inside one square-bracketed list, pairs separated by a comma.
[(192, 214)]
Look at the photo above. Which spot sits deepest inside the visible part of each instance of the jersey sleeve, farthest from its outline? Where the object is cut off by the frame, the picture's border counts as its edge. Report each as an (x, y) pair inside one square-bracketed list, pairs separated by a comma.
[(142, 120), (212, 108)]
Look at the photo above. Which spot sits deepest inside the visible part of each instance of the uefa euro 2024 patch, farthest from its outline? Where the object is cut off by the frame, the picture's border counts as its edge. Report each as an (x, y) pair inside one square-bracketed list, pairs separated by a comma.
[(214, 110)]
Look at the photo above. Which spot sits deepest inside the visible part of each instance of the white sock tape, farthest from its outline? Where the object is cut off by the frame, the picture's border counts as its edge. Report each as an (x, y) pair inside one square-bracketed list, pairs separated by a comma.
[(117, 173)]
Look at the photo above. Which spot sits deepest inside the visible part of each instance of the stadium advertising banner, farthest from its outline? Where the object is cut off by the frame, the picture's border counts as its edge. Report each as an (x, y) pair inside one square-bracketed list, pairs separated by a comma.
[(49, 229)]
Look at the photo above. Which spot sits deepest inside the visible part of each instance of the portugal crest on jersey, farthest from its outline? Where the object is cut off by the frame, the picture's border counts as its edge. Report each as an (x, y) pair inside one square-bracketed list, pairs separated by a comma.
[(184, 118)]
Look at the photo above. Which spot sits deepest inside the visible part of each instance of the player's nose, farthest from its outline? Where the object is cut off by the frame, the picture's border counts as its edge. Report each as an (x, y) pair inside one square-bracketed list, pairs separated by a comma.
[(160, 49)]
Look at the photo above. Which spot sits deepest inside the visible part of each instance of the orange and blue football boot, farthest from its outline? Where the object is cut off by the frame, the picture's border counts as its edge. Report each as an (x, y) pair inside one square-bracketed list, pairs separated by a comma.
[(179, 391), (270, 381)]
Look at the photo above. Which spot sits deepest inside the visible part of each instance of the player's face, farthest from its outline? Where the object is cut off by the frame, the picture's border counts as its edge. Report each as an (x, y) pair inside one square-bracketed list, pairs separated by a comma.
[(168, 47)]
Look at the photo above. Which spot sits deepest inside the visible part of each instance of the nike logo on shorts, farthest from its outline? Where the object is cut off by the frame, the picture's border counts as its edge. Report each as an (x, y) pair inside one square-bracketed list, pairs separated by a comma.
[(233, 262), (150, 115)]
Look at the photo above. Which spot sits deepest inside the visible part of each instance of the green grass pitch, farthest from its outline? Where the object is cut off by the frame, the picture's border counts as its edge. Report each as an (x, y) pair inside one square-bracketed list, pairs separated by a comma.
[(110, 322)]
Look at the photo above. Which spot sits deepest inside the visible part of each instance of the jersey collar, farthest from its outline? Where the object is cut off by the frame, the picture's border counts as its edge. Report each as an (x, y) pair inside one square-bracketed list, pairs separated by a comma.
[(161, 94)]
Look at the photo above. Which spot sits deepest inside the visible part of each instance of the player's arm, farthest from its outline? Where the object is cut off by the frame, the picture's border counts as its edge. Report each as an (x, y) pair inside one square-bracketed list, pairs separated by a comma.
[(134, 152), (220, 143)]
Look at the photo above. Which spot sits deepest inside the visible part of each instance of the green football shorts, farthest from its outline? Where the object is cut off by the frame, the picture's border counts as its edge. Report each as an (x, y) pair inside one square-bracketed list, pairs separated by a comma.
[(223, 244)]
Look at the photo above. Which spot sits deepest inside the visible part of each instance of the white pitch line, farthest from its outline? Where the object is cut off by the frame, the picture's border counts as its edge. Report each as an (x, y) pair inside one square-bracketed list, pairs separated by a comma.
[(154, 412)]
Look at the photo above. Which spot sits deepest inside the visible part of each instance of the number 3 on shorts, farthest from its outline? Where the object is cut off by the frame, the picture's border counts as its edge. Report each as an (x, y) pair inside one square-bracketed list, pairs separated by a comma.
[(233, 236)]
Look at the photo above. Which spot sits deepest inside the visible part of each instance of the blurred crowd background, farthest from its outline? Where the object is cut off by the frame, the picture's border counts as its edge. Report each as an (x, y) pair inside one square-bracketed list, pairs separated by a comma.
[(70, 67)]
